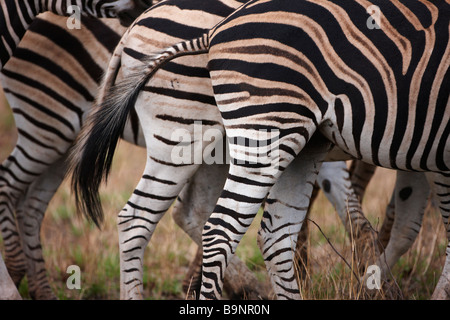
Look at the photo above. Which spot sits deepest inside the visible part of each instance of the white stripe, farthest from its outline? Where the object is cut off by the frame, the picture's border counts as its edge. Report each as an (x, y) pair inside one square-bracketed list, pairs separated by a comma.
[(8, 22)]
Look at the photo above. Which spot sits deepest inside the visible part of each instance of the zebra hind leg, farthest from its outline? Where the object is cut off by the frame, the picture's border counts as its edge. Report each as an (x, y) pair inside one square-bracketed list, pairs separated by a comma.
[(30, 213), (334, 179), (193, 207), (285, 210), (13, 184), (154, 194), (411, 196), (247, 185)]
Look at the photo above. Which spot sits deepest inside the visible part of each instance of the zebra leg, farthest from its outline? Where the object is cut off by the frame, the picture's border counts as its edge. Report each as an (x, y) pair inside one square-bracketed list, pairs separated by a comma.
[(14, 182), (411, 197), (360, 175), (334, 180), (301, 251), (233, 214), (193, 207), (30, 213), (440, 185), (385, 231), (286, 207), (155, 192), (247, 185), (27, 183)]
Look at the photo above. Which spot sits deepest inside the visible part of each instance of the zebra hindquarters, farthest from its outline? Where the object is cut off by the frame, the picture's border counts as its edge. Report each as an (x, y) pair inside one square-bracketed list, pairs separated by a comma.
[(286, 207), (262, 145)]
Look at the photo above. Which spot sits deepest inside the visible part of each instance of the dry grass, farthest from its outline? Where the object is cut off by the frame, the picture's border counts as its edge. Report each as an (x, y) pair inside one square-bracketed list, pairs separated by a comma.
[(68, 239)]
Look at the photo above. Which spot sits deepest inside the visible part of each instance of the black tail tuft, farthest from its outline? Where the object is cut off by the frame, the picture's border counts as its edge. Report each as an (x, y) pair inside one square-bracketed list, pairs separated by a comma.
[(92, 155), (93, 152)]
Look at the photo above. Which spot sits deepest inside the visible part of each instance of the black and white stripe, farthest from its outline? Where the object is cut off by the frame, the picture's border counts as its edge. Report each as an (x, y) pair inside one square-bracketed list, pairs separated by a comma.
[(16, 16), (48, 116), (138, 219), (50, 83), (377, 94)]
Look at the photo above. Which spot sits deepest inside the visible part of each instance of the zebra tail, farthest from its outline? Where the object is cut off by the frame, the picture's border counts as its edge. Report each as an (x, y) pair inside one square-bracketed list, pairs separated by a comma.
[(92, 155)]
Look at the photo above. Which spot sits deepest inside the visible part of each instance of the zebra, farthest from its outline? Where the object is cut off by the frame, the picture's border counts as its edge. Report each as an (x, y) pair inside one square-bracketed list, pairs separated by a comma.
[(412, 135), (129, 271), (48, 116), (47, 123), (138, 225), (365, 67), (16, 16)]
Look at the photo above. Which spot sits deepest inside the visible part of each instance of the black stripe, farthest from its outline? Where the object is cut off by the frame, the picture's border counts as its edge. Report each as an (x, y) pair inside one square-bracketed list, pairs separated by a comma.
[(45, 89), (23, 9), (13, 159), (42, 125), (135, 54), (205, 122), (134, 238), (104, 35), (41, 108), (171, 183), (178, 94), (170, 164), (55, 69), (240, 197), (39, 143), (153, 196), (71, 44), (27, 155), (14, 19), (135, 206), (172, 28), (248, 181)]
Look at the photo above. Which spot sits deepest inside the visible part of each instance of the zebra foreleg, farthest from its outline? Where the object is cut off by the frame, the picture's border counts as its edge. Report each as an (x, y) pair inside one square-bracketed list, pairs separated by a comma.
[(360, 175), (385, 231)]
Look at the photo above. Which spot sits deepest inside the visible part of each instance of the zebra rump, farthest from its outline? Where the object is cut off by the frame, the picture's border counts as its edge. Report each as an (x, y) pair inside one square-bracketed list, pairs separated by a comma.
[(93, 152)]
